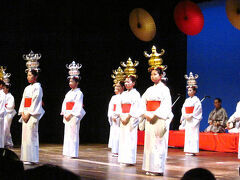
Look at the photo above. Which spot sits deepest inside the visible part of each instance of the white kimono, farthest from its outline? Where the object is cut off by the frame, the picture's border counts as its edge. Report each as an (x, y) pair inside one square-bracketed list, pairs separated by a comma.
[(130, 104), (2, 112), (236, 128), (31, 103), (10, 113), (157, 101), (72, 104), (235, 118), (192, 107), (114, 126), (183, 124)]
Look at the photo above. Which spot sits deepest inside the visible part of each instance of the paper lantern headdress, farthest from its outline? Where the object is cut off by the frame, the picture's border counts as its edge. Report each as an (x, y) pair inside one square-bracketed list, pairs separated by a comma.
[(191, 80), (6, 77), (32, 61), (74, 70)]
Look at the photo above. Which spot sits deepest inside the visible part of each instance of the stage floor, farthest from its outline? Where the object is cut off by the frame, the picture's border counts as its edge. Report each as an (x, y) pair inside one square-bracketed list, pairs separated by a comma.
[(95, 162)]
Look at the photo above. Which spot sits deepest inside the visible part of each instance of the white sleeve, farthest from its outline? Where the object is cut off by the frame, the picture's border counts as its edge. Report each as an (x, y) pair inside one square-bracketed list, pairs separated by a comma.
[(236, 114), (21, 107), (2, 105), (110, 111), (197, 112), (183, 110), (63, 106), (10, 105), (165, 108), (118, 107), (143, 103), (110, 107), (77, 109), (136, 110), (36, 105)]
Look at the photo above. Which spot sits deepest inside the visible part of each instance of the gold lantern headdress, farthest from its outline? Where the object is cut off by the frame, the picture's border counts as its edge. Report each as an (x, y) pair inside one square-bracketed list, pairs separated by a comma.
[(74, 70), (130, 69), (1, 73), (155, 60), (6, 77), (32, 61), (191, 80), (118, 76)]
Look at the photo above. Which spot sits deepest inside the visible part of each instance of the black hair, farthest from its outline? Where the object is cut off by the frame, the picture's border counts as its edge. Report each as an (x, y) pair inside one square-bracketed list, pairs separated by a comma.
[(2, 82), (75, 79), (122, 84), (159, 70), (198, 174), (193, 88), (7, 86), (34, 72), (218, 99), (133, 79)]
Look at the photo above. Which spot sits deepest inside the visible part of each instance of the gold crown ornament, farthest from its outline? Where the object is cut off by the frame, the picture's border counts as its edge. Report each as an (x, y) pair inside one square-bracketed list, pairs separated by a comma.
[(191, 80), (155, 60), (1, 72), (130, 69), (118, 75), (32, 61), (74, 70)]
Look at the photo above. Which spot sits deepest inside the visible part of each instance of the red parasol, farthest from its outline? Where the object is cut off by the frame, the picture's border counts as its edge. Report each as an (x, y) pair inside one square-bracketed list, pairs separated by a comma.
[(188, 17)]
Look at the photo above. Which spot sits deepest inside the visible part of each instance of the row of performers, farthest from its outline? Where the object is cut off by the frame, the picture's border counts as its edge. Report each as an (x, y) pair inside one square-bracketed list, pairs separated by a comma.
[(31, 111), (129, 111), (126, 112)]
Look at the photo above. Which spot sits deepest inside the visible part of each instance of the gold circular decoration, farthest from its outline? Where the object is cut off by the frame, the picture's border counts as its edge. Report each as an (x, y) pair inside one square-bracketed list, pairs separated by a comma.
[(233, 12), (142, 24)]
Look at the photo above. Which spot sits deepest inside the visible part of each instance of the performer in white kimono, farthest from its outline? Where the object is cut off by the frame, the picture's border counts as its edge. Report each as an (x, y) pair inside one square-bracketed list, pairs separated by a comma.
[(235, 118), (157, 106), (130, 111), (2, 112), (112, 106), (113, 118), (235, 127), (192, 113), (157, 101), (182, 123), (73, 112), (234, 121), (31, 111), (10, 112)]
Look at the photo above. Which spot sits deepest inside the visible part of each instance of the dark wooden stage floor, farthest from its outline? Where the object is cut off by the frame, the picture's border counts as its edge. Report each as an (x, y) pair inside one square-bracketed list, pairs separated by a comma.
[(95, 162)]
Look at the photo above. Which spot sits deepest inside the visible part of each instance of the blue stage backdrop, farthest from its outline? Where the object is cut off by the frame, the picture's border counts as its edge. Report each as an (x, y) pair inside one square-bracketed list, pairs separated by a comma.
[(214, 54)]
